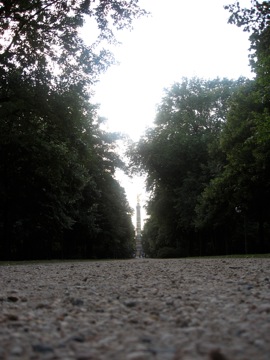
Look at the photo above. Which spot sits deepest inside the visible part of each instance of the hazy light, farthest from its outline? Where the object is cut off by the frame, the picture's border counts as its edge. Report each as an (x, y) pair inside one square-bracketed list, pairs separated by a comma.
[(180, 39)]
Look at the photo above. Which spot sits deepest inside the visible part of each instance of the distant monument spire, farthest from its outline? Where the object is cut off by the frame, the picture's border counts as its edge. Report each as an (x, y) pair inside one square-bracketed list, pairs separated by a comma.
[(139, 251)]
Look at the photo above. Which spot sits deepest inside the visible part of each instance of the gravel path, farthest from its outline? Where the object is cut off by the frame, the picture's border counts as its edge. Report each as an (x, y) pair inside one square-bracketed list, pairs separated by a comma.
[(136, 309)]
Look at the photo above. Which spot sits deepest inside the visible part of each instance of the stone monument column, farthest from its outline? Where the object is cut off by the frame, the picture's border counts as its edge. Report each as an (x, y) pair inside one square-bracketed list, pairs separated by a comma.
[(139, 251)]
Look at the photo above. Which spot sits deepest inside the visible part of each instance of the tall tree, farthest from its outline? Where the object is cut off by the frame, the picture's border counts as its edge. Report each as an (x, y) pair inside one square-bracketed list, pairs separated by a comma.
[(41, 172), (56, 166), (235, 195), (256, 21), (241, 190), (177, 155), (42, 37), (54, 156)]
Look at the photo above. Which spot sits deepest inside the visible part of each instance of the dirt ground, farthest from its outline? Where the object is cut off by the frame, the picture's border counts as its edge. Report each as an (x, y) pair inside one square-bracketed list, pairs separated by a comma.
[(136, 309)]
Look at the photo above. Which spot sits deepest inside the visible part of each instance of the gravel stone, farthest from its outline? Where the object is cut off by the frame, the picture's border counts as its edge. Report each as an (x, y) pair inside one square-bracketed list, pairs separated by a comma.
[(173, 309)]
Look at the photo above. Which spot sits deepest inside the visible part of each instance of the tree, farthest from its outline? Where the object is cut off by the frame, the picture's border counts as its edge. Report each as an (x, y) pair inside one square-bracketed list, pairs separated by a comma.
[(244, 181), (42, 38), (246, 135), (256, 21), (41, 175), (179, 156), (56, 162), (115, 237), (56, 167)]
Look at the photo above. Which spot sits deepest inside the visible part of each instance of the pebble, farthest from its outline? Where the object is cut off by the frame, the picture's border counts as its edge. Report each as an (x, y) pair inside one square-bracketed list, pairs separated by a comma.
[(138, 355), (139, 309), (17, 350)]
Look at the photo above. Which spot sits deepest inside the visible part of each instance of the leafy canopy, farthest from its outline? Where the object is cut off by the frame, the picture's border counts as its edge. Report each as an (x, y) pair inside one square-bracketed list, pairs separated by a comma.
[(57, 182), (42, 37)]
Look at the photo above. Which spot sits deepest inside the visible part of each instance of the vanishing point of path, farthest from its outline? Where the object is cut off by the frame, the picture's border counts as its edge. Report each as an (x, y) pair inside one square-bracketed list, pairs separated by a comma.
[(137, 309)]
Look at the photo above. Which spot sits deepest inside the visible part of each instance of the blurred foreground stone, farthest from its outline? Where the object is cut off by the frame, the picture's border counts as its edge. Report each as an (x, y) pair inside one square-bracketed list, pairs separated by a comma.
[(137, 309)]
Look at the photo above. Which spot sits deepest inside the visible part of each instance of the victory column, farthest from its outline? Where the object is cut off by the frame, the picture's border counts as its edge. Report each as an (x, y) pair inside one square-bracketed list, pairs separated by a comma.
[(139, 251)]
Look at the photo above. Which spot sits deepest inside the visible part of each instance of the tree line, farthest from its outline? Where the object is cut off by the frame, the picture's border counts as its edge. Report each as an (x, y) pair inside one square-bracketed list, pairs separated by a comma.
[(206, 158), (58, 193)]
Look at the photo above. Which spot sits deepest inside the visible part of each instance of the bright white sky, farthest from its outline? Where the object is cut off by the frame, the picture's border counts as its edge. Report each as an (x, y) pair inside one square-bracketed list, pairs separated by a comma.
[(180, 38)]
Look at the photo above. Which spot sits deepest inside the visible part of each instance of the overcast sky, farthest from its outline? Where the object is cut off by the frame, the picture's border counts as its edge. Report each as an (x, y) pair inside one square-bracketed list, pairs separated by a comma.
[(179, 39)]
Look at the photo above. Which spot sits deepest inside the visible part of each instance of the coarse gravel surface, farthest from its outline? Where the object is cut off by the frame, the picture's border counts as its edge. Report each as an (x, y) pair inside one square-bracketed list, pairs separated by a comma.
[(137, 309)]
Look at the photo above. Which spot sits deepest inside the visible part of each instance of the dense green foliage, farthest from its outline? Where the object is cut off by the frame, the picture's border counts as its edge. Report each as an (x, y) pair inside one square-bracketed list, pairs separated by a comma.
[(58, 193), (207, 159), (42, 37)]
